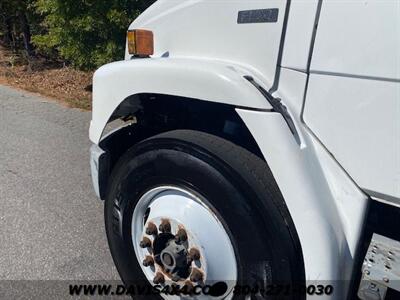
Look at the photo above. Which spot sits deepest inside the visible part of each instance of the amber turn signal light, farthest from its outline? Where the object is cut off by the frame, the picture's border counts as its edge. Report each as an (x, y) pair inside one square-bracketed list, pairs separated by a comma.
[(140, 42)]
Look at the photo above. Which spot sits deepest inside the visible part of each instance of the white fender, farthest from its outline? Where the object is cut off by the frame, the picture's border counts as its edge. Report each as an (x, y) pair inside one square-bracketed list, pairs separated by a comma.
[(209, 80), (328, 209)]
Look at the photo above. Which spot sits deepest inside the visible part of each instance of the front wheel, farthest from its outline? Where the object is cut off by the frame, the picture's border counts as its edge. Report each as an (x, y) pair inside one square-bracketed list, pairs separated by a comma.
[(195, 215)]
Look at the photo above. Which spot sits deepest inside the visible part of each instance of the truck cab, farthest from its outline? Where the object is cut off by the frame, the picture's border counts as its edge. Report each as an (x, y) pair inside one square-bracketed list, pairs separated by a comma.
[(252, 147)]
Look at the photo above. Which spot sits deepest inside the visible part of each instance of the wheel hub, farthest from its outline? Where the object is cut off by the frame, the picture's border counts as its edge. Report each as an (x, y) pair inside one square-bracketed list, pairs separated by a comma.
[(178, 240), (174, 261), (170, 252)]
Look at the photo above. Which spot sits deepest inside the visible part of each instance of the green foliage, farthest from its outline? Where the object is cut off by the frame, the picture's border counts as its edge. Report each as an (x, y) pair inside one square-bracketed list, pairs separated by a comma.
[(87, 33), (84, 33), (15, 19)]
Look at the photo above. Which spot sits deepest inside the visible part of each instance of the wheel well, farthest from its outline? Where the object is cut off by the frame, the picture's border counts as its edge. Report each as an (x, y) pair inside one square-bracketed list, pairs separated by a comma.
[(146, 115)]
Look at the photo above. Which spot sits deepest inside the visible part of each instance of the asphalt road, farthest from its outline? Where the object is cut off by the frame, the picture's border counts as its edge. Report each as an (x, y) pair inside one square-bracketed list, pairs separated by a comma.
[(51, 223)]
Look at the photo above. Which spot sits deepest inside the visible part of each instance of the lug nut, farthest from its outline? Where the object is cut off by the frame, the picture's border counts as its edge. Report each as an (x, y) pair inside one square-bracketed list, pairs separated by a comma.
[(196, 275), (194, 254), (151, 229), (145, 243), (188, 288), (159, 278), (165, 226), (148, 261), (181, 236)]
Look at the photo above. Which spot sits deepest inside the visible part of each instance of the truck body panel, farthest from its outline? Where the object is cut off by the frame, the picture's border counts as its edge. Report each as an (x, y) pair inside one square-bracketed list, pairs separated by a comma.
[(358, 38), (334, 66), (358, 121), (352, 103), (326, 204), (211, 29), (299, 34)]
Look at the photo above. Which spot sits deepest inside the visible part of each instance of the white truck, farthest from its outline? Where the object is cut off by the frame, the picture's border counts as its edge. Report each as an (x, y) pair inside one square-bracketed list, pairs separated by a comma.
[(260, 151)]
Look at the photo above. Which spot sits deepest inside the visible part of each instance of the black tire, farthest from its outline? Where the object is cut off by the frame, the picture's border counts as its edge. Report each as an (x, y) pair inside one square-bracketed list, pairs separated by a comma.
[(240, 188)]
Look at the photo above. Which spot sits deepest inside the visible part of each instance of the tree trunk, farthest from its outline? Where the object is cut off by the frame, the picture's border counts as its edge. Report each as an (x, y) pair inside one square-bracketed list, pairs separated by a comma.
[(9, 36), (26, 33)]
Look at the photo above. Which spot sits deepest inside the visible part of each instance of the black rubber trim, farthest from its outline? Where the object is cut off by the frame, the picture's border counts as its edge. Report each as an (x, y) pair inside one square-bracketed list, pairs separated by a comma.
[(310, 54), (314, 35), (112, 152), (280, 53), (103, 174), (277, 106)]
